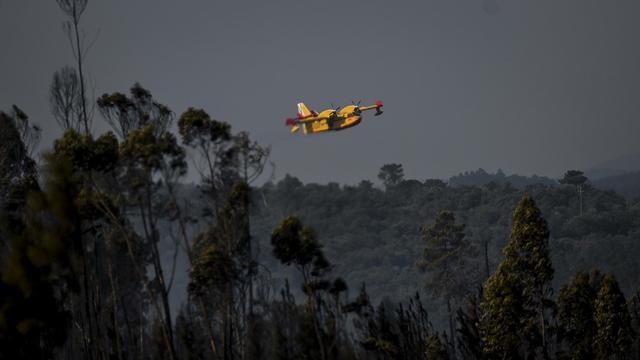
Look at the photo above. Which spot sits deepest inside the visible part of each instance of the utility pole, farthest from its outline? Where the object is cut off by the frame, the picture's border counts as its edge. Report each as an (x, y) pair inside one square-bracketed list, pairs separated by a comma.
[(580, 191)]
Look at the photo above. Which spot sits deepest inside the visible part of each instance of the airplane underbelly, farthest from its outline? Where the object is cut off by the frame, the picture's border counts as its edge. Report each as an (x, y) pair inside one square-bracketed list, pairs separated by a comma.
[(349, 122), (319, 126)]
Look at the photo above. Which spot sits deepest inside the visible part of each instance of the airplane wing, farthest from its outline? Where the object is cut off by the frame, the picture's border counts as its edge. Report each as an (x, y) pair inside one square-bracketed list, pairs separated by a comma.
[(311, 119), (378, 107)]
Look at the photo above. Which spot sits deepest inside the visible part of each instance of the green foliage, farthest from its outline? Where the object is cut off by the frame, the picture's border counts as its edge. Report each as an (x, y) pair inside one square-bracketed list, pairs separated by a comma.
[(197, 128), (391, 174), (469, 335), (614, 336), (146, 150), (436, 349), (481, 177), (372, 235), (213, 269), (443, 256), (294, 243), (576, 319), (399, 331), (85, 153), (191, 344), (573, 177), (15, 161), (515, 296), (126, 114), (41, 269), (18, 174)]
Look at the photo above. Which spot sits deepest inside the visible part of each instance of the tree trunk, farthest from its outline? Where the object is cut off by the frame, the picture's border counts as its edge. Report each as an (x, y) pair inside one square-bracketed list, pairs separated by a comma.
[(452, 342), (83, 96), (486, 258)]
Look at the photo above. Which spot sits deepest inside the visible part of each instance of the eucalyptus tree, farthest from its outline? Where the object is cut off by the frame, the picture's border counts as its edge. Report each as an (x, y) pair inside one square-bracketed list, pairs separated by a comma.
[(296, 244), (614, 336), (227, 165), (516, 298)]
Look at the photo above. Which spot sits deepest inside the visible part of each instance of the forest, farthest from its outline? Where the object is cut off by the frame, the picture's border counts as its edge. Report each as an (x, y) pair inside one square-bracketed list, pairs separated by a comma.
[(286, 270), (107, 251)]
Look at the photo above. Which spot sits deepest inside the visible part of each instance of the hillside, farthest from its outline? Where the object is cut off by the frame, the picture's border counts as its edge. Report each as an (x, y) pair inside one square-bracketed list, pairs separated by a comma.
[(372, 235), (625, 184)]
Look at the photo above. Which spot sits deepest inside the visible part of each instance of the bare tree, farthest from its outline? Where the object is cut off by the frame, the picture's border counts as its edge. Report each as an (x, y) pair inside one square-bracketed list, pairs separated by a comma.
[(74, 9), (65, 99), (29, 132)]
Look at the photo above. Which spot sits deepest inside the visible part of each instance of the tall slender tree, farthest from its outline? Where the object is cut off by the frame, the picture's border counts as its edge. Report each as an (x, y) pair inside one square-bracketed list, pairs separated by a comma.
[(443, 259), (516, 296), (614, 337), (296, 244), (74, 9), (576, 318)]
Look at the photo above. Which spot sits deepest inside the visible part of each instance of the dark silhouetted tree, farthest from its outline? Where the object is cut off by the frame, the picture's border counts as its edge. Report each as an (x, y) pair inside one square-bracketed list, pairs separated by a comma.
[(469, 335), (575, 178), (297, 245), (74, 9), (40, 271), (391, 174), (515, 297), (614, 336), (443, 259), (65, 99), (125, 114), (436, 350), (576, 318)]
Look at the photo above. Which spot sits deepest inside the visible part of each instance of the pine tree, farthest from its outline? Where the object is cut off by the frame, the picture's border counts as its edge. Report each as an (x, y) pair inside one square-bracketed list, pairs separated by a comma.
[(577, 179), (391, 174), (614, 336), (516, 295)]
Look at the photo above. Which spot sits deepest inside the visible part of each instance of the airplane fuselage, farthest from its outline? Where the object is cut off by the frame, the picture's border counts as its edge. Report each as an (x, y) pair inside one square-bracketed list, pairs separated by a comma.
[(343, 119), (331, 119)]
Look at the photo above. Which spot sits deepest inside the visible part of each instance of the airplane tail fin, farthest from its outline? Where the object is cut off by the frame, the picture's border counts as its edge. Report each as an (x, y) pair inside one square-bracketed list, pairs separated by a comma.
[(303, 111)]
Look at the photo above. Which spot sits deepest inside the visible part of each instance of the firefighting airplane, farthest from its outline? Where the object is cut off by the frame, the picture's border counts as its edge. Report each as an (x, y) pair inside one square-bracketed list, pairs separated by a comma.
[(330, 119)]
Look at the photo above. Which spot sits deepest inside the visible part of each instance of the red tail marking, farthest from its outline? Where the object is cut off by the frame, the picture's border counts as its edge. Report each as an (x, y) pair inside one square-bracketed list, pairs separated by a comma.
[(290, 122)]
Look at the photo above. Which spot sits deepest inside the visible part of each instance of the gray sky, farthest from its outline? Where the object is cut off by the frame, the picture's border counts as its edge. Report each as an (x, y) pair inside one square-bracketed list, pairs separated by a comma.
[(529, 86)]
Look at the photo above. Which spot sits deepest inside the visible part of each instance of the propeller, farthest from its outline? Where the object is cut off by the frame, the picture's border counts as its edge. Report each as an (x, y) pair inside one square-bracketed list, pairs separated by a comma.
[(356, 110)]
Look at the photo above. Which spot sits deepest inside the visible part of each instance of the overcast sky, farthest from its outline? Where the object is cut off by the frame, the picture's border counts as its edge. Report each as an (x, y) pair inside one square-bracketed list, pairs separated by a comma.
[(532, 87)]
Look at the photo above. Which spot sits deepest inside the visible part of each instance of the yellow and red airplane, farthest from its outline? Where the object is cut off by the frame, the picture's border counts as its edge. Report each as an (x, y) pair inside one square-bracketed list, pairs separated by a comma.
[(330, 119)]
